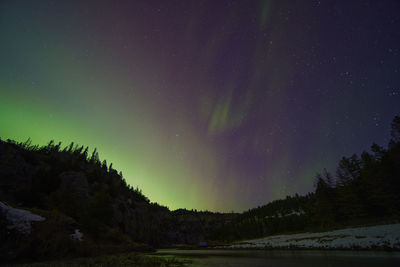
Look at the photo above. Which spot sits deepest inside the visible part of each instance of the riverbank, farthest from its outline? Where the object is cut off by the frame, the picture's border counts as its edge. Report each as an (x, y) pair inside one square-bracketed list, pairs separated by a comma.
[(123, 259), (380, 237), (296, 258)]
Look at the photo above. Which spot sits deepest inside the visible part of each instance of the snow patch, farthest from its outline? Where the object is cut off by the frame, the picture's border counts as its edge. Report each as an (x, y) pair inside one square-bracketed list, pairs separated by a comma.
[(380, 236), (281, 214), (77, 235), (18, 219)]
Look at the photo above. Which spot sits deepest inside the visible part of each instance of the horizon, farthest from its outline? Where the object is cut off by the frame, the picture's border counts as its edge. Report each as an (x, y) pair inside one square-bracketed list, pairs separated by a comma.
[(65, 146), (207, 106)]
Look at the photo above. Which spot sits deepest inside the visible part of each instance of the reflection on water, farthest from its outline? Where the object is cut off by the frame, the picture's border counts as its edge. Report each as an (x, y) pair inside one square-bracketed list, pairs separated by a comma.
[(275, 258)]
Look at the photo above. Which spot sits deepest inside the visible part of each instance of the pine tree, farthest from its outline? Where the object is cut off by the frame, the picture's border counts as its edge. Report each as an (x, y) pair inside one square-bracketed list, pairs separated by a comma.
[(395, 131)]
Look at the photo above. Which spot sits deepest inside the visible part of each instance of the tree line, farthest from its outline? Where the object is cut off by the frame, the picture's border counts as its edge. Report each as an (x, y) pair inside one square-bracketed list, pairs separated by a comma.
[(363, 190)]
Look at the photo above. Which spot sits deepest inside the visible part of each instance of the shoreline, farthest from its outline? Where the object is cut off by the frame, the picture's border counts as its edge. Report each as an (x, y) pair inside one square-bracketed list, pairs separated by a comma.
[(378, 249), (370, 238)]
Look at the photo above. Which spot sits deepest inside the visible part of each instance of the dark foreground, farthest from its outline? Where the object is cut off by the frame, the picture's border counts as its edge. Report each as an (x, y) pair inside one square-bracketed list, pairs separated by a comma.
[(233, 258), (123, 259), (252, 258)]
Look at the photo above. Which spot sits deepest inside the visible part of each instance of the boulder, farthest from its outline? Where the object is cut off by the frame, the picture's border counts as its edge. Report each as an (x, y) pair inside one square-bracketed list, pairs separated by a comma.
[(19, 219)]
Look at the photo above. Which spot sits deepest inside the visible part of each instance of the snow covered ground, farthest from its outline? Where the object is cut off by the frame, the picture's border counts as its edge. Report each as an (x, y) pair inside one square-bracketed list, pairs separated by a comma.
[(381, 236), (19, 219)]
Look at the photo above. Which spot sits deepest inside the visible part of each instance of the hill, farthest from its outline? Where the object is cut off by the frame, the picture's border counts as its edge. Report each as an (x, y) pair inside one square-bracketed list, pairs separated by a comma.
[(77, 195)]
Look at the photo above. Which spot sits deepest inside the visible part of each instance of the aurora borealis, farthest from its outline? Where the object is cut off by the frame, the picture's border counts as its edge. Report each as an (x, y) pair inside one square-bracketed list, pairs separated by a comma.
[(217, 105)]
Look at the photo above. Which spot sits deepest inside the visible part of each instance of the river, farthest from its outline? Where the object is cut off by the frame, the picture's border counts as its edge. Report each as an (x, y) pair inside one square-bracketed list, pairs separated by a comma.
[(278, 258)]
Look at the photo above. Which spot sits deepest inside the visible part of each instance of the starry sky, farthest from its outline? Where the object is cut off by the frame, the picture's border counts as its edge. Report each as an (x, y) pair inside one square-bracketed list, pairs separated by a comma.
[(208, 105)]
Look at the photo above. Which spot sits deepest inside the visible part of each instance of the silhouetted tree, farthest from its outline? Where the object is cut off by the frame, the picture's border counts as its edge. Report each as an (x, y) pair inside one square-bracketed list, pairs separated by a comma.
[(324, 208), (70, 147), (85, 153), (104, 165), (95, 157), (395, 131)]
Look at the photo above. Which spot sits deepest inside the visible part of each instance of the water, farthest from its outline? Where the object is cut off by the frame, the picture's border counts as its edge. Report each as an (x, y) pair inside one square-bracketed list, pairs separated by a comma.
[(276, 258)]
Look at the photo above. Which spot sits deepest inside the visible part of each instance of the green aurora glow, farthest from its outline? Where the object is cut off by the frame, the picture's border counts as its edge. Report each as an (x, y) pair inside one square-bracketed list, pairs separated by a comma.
[(216, 105)]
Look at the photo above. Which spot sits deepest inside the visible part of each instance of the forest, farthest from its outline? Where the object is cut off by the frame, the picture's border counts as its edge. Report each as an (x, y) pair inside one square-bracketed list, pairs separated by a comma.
[(364, 190)]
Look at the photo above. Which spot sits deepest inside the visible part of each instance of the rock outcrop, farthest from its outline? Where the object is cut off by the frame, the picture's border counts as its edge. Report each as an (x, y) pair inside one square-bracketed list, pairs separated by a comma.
[(18, 219)]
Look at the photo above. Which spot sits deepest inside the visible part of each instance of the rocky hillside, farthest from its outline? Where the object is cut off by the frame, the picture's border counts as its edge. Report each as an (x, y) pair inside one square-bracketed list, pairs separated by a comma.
[(77, 195)]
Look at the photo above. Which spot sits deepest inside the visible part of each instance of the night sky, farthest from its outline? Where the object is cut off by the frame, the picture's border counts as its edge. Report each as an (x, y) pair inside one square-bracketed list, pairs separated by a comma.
[(217, 105)]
